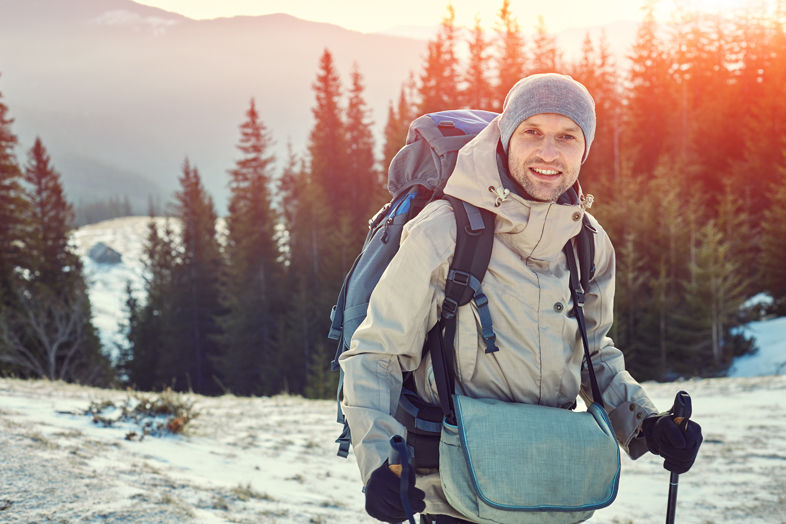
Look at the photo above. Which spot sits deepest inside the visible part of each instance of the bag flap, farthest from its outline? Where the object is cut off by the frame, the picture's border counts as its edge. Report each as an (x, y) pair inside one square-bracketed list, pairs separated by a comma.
[(529, 457)]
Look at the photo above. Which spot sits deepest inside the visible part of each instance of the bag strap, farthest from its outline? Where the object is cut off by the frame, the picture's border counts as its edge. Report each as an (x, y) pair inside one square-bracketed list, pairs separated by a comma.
[(577, 294)]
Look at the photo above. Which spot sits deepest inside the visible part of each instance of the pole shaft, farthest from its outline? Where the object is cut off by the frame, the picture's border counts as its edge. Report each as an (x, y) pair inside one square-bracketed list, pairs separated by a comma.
[(672, 506)]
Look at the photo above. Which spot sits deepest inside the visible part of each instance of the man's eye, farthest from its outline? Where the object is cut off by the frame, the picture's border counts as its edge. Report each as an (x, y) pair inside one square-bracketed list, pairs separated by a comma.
[(531, 132), (568, 138)]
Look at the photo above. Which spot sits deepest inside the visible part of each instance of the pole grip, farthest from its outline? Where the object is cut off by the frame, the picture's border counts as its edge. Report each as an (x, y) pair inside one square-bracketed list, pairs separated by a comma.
[(397, 443), (681, 410)]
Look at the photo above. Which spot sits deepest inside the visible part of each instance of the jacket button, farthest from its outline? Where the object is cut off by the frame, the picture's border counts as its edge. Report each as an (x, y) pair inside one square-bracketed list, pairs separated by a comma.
[(576, 216), (632, 407), (558, 307), (639, 415)]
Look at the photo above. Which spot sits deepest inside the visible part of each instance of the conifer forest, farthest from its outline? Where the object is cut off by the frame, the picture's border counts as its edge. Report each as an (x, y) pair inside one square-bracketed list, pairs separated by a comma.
[(688, 170)]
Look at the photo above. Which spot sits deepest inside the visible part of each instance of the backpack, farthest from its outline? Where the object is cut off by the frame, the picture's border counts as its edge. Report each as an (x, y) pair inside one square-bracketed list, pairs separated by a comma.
[(417, 175)]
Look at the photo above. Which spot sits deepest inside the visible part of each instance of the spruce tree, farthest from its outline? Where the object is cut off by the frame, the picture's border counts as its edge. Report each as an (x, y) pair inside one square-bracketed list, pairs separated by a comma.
[(651, 99), (546, 56), (366, 193), (476, 92), (773, 247), (397, 125), (155, 357), (49, 332), (248, 360), (327, 146), (12, 208), (196, 283), (511, 57), (714, 293), (597, 70), (439, 81)]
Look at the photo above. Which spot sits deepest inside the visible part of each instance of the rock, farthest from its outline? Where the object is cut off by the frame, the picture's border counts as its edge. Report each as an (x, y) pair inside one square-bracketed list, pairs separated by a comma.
[(104, 254)]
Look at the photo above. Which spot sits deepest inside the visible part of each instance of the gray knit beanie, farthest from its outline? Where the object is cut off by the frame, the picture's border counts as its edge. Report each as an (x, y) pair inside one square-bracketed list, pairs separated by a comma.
[(548, 93)]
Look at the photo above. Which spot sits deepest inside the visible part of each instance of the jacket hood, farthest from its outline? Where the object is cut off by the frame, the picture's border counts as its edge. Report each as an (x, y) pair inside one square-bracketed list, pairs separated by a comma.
[(537, 230)]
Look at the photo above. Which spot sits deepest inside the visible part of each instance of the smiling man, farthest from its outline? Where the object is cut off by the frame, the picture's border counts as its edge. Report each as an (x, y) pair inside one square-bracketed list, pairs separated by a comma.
[(523, 167)]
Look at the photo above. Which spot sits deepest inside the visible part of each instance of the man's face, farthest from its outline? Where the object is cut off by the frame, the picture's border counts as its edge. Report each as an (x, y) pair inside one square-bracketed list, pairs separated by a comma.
[(544, 155)]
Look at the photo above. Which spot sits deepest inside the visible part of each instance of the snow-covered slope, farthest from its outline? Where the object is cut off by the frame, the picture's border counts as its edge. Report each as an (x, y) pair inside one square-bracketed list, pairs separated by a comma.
[(272, 460), (107, 282)]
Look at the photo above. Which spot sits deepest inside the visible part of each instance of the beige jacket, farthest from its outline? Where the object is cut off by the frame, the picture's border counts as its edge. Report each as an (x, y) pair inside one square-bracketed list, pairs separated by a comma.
[(540, 349)]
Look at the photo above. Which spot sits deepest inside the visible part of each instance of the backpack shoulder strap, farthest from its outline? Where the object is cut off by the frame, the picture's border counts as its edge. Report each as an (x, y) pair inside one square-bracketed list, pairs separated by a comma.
[(474, 241)]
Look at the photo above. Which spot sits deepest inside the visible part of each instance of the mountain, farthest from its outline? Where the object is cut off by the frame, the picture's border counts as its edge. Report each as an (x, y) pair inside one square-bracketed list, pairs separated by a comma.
[(121, 93)]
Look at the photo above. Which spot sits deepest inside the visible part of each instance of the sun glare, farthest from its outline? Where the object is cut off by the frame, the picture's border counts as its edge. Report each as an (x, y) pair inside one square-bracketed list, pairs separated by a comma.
[(725, 6)]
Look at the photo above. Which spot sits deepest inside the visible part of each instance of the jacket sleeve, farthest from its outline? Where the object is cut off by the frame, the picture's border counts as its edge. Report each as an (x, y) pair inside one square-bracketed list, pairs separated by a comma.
[(625, 399), (402, 308)]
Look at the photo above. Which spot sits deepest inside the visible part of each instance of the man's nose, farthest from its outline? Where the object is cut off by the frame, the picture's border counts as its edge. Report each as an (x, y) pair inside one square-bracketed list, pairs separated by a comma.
[(548, 150)]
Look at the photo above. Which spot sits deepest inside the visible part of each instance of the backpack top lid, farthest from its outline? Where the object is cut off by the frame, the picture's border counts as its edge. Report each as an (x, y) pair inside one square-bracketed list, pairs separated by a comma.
[(433, 141)]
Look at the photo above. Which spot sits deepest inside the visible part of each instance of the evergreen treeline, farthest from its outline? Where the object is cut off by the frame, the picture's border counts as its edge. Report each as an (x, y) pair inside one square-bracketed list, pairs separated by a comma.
[(99, 210), (45, 321), (688, 168)]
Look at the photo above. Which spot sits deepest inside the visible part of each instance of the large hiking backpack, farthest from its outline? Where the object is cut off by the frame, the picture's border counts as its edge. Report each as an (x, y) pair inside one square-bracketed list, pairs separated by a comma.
[(417, 175)]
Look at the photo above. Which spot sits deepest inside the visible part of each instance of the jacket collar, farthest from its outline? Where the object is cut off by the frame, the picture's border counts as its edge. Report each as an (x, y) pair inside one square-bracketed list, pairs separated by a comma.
[(536, 230)]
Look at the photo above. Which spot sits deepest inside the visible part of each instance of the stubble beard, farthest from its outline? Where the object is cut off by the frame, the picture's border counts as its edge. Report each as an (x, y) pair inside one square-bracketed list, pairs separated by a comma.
[(539, 190)]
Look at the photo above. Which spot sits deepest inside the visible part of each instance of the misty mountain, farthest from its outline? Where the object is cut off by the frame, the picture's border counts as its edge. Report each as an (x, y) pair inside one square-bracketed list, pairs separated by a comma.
[(122, 92)]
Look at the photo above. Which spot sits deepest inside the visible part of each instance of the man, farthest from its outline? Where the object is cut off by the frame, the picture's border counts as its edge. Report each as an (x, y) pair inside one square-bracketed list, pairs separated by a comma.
[(523, 167)]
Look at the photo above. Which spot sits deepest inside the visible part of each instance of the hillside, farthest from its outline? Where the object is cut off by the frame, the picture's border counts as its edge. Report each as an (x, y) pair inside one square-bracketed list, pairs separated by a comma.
[(273, 460)]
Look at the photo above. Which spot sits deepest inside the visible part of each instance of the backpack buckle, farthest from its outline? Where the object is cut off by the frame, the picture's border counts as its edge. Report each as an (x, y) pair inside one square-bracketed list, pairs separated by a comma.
[(449, 308), (580, 298), (462, 278)]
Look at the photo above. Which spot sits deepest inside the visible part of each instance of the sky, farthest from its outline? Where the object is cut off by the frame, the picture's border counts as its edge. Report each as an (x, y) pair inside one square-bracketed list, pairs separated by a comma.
[(375, 15)]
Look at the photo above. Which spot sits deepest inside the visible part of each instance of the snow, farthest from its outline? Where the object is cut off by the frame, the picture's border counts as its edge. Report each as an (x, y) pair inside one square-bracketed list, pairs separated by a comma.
[(272, 459), (107, 282), (770, 358)]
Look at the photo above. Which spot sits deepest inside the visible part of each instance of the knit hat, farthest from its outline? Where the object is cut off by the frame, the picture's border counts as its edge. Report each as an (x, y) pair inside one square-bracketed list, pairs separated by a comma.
[(548, 93)]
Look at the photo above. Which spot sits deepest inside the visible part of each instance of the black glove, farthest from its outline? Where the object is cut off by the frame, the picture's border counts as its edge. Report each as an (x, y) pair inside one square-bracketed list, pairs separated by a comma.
[(383, 495), (677, 444)]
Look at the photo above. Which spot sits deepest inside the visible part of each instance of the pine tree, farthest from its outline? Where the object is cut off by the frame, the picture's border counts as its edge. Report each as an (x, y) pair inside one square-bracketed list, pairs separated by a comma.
[(476, 92), (248, 360), (12, 209), (546, 56), (49, 333), (511, 57), (596, 69), (773, 247), (439, 81), (155, 355), (397, 125), (651, 100), (714, 294), (52, 218), (366, 193), (196, 281), (328, 140)]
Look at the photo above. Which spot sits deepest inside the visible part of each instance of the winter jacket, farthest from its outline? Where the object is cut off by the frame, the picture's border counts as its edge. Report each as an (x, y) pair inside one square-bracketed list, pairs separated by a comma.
[(540, 350)]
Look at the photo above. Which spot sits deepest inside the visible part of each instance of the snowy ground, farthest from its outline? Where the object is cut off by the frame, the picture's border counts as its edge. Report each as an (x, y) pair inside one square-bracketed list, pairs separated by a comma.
[(273, 460)]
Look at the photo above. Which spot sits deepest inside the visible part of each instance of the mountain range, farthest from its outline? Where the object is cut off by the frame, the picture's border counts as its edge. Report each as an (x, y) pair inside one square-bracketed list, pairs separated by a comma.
[(122, 93)]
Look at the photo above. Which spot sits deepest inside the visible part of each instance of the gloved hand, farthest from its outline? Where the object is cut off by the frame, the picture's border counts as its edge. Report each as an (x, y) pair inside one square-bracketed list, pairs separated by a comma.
[(383, 495), (678, 445)]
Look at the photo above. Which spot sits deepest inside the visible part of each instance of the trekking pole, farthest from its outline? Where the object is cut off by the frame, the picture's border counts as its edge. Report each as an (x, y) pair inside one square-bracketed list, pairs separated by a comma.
[(680, 412), (399, 463)]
